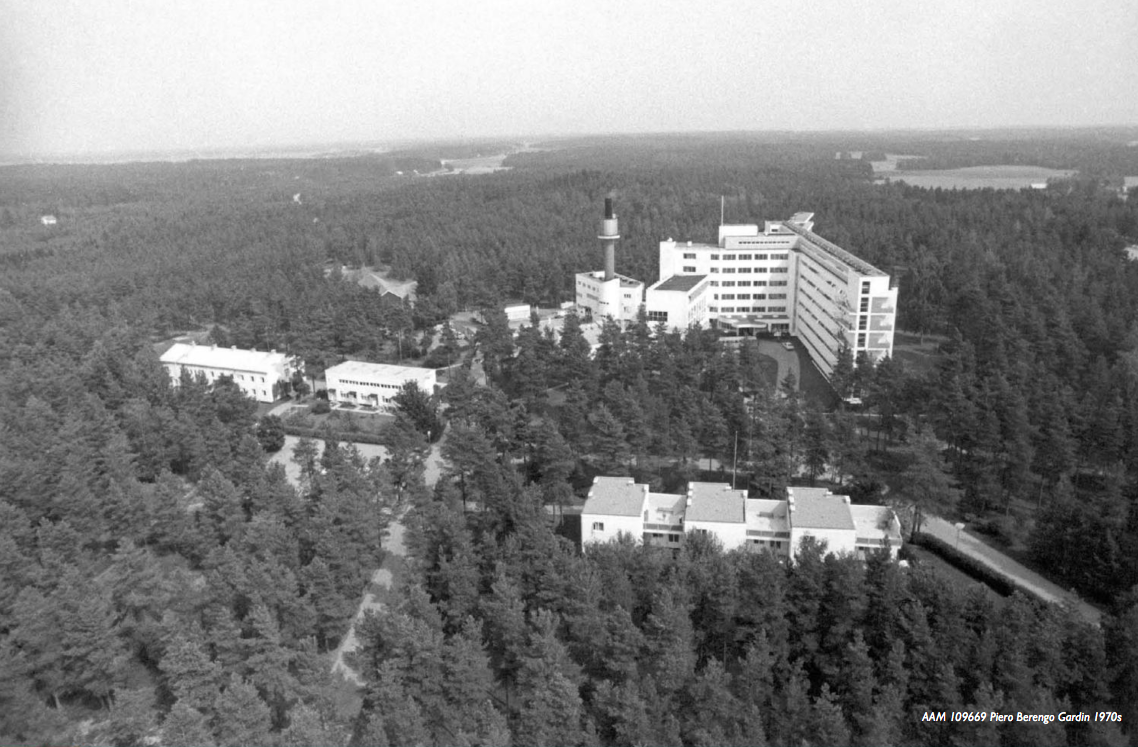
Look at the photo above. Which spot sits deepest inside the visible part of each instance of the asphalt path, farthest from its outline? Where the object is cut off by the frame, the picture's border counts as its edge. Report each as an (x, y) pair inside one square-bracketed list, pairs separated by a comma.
[(1005, 566)]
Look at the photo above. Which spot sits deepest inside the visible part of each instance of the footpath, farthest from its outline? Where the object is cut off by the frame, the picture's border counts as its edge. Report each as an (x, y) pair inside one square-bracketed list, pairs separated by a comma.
[(382, 577), (1005, 566)]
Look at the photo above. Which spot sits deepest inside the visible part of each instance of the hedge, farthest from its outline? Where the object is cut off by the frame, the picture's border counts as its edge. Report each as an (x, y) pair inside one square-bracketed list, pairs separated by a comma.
[(998, 582)]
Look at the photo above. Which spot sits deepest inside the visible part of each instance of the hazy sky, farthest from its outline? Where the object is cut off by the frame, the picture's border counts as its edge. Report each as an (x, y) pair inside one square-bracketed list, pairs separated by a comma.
[(95, 76)]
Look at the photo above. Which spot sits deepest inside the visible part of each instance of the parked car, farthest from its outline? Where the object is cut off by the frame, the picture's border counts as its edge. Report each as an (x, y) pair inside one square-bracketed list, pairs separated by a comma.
[(788, 345)]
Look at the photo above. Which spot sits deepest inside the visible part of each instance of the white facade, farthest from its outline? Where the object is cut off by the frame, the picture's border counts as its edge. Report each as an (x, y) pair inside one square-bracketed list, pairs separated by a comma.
[(372, 385), (785, 278), (618, 505), (619, 298), (255, 372), (615, 506), (518, 312), (679, 301)]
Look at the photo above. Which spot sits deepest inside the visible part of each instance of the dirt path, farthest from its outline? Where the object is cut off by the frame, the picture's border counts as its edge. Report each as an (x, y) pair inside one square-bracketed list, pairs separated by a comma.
[(1005, 566), (382, 578)]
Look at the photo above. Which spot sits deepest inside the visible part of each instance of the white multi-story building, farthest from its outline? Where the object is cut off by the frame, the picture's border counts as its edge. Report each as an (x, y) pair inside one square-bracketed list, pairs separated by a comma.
[(372, 385), (261, 375), (619, 505), (783, 278)]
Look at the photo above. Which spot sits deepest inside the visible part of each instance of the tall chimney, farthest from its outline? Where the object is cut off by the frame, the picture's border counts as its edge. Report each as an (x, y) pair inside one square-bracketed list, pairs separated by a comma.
[(609, 235)]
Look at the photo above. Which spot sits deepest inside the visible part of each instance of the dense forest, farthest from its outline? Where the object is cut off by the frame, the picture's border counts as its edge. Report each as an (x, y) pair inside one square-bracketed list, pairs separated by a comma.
[(162, 578)]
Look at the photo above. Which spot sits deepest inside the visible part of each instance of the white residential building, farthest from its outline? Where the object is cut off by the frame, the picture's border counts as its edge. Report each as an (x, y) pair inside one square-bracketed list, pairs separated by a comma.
[(619, 505), (372, 385), (257, 373)]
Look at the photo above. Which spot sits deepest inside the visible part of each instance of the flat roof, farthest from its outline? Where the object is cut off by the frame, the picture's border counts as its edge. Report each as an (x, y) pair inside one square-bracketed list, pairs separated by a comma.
[(875, 522), (211, 356), (366, 370), (615, 496), (716, 501), (856, 263), (679, 283), (764, 515)]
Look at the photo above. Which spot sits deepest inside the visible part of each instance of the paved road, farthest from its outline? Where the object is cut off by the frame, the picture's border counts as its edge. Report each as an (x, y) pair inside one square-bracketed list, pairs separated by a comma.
[(1004, 565), (787, 359)]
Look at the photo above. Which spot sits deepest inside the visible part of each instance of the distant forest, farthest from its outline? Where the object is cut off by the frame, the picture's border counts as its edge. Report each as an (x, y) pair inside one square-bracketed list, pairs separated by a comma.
[(162, 579)]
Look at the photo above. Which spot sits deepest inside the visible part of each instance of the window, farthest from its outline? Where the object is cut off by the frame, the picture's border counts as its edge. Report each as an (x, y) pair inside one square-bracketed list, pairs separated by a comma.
[(728, 296), (728, 256), (715, 269), (689, 256), (777, 295), (759, 309), (727, 283), (759, 269), (760, 282), (861, 340), (864, 306), (862, 321), (657, 316), (715, 256), (715, 283), (598, 526), (745, 257), (779, 269), (729, 269), (761, 256), (780, 256), (728, 310), (689, 268), (778, 282), (865, 286), (744, 296), (759, 296), (713, 309), (744, 282), (777, 309)]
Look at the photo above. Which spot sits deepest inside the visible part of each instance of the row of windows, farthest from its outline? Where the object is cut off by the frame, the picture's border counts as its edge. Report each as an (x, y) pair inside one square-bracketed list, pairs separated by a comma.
[(743, 283), (657, 316), (371, 384), (745, 257), (210, 373), (747, 309)]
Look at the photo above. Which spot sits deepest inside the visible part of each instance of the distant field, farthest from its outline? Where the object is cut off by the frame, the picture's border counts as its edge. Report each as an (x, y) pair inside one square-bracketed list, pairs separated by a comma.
[(482, 165), (977, 177)]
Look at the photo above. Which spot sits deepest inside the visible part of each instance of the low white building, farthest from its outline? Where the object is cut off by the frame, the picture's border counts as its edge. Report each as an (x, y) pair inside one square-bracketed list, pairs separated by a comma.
[(261, 375), (518, 312), (372, 385), (619, 298), (679, 301), (619, 505)]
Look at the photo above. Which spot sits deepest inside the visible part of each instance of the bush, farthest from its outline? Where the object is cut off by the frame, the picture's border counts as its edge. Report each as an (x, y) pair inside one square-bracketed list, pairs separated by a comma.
[(321, 407), (271, 434)]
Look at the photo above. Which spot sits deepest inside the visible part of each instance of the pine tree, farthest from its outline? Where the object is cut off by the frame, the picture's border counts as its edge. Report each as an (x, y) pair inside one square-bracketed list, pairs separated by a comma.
[(241, 717)]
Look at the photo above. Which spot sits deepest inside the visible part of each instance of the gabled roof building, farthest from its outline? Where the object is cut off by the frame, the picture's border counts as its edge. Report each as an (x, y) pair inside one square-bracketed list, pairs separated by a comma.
[(260, 374)]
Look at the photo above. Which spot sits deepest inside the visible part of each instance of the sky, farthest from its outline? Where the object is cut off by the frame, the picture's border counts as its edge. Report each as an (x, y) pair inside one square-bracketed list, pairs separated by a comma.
[(91, 77)]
